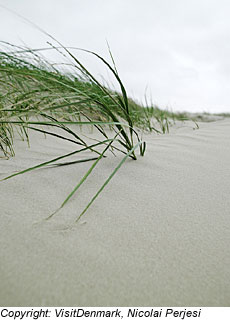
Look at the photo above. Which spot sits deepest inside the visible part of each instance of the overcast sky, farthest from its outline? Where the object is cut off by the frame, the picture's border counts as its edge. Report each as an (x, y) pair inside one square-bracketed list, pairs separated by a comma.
[(177, 51)]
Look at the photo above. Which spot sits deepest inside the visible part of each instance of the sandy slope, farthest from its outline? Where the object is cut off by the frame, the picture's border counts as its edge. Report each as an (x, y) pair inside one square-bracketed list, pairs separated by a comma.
[(158, 235)]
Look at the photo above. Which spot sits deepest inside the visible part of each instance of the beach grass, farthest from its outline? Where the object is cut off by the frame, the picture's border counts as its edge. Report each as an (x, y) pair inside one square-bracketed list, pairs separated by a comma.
[(36, 95)]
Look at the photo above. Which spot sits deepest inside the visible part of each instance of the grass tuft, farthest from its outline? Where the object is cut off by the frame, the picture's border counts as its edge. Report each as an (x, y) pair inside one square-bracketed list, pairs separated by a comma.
[(37, 95)]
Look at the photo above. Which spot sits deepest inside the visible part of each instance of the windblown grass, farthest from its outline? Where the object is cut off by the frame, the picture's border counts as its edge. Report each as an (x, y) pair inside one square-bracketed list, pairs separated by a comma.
[(36, 95)]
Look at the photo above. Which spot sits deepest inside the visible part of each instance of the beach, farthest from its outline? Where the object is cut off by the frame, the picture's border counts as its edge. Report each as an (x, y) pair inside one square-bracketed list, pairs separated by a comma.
[(158, 235)]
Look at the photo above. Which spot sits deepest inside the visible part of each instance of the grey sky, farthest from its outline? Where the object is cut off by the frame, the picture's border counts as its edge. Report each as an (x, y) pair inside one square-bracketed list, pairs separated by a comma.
[(178, 49)]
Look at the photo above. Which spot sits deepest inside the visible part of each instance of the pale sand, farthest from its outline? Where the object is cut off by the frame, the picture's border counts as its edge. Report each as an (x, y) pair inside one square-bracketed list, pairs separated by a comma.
[(158, 235)]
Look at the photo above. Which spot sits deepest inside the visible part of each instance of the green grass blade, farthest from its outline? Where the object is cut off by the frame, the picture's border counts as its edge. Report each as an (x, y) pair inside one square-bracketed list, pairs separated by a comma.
[(71, 162), (53, 134)]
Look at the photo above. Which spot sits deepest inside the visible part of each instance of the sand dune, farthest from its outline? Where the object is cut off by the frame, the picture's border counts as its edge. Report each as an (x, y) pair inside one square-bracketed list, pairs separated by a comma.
[(158, 235)]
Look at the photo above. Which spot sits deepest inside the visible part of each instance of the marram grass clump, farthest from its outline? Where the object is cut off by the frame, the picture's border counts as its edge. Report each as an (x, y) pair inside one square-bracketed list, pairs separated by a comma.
[(36, 95)]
